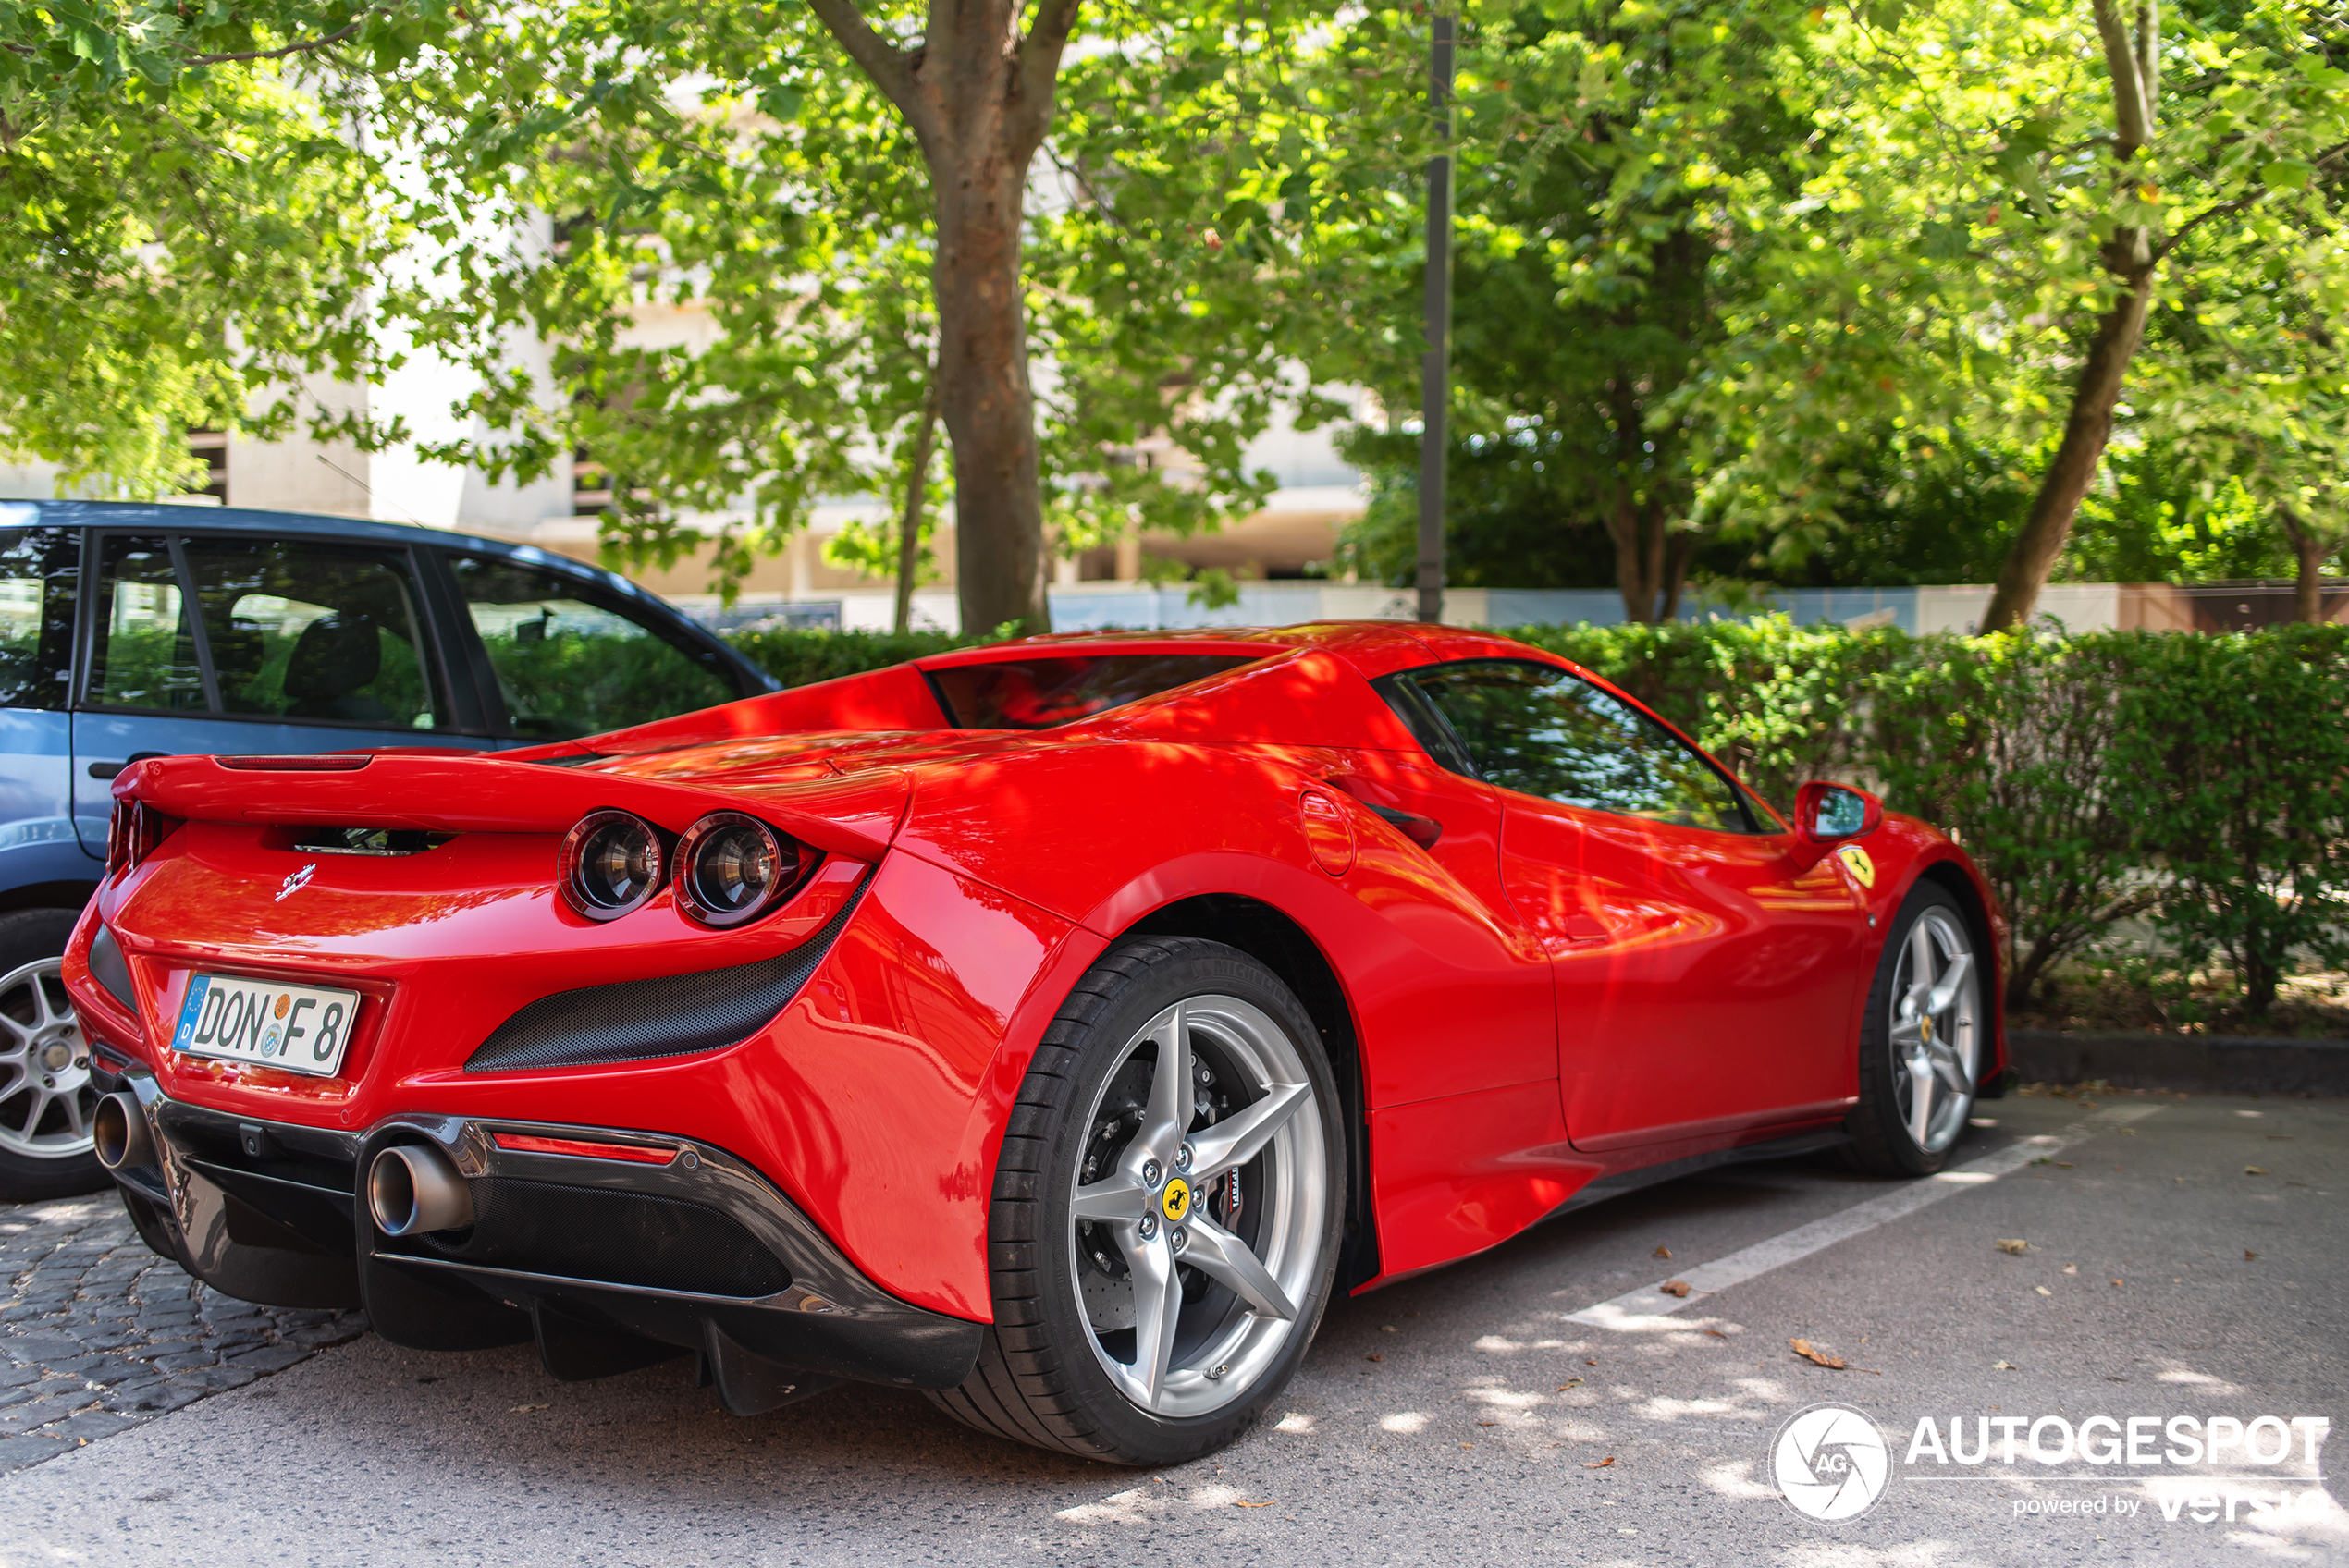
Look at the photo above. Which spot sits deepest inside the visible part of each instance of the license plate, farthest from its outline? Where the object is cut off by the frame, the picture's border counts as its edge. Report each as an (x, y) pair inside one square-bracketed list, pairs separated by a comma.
[(292, 1028)]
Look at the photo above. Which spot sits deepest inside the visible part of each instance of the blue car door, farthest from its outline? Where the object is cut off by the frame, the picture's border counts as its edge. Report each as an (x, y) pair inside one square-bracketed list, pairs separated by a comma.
[(39, 568), (251, 643)]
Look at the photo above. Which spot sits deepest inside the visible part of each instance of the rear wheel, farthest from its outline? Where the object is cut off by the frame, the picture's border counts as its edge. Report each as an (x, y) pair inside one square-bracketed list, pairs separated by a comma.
[(46, 1096), (1921, 1040), (1164, 1228)]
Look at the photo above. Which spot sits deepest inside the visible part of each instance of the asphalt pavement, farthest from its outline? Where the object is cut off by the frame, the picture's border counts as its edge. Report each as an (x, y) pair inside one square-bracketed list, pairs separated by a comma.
[(2182, 1272)]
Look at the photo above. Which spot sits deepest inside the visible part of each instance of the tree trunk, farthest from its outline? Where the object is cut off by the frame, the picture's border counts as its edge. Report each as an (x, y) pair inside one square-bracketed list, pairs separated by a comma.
[(984, 394), (2309, 554), (978, 96), (1639, 554), (2033, 555), (2132, 65), (909, 525)]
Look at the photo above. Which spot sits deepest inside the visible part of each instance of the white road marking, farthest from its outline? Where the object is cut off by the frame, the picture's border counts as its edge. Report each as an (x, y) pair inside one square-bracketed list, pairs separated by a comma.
[(1649, 1310)]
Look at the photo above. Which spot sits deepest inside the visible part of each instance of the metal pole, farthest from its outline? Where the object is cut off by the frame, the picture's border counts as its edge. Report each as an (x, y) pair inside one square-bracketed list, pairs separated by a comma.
[(1435, 369)]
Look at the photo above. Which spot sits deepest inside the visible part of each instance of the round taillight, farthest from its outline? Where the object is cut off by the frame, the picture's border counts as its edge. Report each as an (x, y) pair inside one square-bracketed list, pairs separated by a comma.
[(611, 864), (731, 867)]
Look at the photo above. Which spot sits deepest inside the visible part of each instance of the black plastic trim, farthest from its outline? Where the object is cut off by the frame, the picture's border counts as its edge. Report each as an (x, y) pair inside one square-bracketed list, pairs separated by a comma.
[(111, 970), (669, 1015)]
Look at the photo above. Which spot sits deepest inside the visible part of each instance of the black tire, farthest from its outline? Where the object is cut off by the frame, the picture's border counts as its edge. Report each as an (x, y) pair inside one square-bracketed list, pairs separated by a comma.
[(26, 937), (1882, 1141), (1040, 1378)]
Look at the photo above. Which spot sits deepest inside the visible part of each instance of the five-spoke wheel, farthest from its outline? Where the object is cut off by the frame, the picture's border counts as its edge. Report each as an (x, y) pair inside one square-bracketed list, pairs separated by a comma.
[(1921, 1042), (1166, 1215)]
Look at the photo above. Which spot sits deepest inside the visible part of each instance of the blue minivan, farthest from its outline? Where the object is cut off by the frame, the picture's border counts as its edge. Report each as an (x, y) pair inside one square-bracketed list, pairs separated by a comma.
[(130, 632)]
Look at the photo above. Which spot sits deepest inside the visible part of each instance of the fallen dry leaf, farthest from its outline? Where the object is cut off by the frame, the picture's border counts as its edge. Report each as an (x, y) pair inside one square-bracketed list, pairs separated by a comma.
[(1251, 1505), (2064, 1165), (2255, 1170), (1488, 1423), (2248, 1255), (2004, 1366), (1817, 1357), (2116, 1284), (526, 1409), (1599, 1463), (1589, 1363), (1716, 1333), (2043, 1289), (1674, 1287), (2072, 1268), (1664, 1252), (1569, 1383), (2016, 1244)]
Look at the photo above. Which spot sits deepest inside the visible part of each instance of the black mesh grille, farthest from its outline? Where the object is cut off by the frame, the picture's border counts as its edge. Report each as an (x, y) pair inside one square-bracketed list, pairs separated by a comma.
[(673, 1015), (624, 1238)]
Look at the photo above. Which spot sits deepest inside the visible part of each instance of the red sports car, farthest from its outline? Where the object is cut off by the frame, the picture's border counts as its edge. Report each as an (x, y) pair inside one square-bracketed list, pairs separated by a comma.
[(1052, 1026)]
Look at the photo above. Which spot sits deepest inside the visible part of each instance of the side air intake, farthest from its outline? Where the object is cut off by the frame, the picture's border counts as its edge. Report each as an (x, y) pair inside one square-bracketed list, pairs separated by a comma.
[(673, 1015)]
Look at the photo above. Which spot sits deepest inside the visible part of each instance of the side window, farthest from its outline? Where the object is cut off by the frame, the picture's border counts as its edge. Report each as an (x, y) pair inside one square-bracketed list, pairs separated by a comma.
[(39, 568), (1539, 730), (571, 661), (301, 628), (144, 656)]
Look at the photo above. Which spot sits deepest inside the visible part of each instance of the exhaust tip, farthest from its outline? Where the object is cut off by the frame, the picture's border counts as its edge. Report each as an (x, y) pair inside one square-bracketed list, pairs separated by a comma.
[(413, 1189), (119, 1131)]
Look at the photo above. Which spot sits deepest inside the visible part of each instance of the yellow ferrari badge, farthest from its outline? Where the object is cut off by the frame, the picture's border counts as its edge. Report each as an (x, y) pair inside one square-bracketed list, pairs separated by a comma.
[(1176, 1200), (1855, 861)]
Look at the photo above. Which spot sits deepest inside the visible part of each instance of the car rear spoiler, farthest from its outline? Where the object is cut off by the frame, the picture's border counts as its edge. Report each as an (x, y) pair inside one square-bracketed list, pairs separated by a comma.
[(487, 792)]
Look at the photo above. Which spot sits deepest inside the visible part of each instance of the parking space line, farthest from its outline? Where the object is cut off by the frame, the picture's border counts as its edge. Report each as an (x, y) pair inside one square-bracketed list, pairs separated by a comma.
[(1649, 1309)]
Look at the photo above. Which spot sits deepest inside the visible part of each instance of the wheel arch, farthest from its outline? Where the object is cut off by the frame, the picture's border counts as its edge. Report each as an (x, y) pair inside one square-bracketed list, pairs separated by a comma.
[(1952, 877), (1282, 944)]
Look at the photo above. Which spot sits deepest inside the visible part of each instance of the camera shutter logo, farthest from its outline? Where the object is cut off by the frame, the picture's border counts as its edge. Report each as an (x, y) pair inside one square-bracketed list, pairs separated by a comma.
[(1830, 1463)]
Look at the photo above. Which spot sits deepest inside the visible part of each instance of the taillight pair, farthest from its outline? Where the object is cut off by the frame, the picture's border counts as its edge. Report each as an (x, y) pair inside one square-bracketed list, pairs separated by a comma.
[(133, 832), (730, 867)]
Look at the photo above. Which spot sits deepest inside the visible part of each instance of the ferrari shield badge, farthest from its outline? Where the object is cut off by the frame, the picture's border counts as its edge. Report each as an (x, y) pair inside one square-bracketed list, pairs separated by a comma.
[(1855, 861)]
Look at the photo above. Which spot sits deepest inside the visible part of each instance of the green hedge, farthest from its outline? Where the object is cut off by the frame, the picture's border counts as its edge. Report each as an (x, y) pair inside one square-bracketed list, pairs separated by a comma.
[(2202, 781)]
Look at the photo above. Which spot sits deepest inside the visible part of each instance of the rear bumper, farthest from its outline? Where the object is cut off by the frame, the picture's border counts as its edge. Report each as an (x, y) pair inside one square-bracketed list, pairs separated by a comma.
[(604, 1261)]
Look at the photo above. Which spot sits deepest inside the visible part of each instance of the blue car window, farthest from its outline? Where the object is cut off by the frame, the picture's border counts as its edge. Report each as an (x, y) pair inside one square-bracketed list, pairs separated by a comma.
[(38, 568), (571, 661), (306, 629), (145, 652)]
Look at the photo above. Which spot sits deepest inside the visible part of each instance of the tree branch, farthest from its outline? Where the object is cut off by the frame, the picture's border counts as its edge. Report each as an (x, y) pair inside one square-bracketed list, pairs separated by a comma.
[(332, 38), (2131, 117), (888, 66), (1040, 69), (2228, 209)]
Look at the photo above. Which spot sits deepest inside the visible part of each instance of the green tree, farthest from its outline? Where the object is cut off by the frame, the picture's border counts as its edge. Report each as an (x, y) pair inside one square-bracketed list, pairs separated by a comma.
[(189, 228)]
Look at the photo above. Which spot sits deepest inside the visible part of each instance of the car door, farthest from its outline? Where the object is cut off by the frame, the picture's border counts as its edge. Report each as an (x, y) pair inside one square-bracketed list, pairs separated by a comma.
[(1703, 958), (565, 656), (39, 570), (251, 643)]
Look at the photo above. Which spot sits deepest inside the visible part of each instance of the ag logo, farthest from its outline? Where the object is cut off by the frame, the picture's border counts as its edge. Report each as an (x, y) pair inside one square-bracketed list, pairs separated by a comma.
[(1855, 861), (297, 882), (1831, 1463)]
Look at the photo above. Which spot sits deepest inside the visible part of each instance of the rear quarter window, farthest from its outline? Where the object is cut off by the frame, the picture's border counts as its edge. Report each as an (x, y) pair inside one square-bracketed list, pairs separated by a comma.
[(1044, 692)]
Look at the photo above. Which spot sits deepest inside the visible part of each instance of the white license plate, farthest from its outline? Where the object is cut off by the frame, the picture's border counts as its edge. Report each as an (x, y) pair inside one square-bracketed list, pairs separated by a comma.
[(292, 1028)]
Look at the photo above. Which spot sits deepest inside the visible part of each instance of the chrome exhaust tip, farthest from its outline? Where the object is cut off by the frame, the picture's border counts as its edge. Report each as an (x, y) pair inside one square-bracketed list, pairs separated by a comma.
[(412, 1190), (119, 1131)]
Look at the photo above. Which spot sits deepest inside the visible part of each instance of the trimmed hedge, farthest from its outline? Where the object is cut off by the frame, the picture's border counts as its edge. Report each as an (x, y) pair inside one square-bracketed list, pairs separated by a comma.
[(2203, 781)]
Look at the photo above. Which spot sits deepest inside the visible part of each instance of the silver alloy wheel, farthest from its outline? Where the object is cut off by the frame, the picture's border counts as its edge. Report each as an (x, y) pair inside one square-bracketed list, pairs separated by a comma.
[(1189, 1299), (47, 1098), (1936, 1036)]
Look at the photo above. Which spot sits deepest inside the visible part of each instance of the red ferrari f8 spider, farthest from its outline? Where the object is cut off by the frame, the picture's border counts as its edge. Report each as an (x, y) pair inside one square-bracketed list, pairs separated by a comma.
[(1054, 1026)]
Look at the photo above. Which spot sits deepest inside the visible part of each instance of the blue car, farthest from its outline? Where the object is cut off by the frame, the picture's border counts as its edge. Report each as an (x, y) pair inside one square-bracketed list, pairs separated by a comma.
[(130, 632)]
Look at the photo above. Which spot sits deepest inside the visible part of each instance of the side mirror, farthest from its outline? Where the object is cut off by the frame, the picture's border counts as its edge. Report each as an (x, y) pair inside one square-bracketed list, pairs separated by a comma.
[(1824, 813)]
